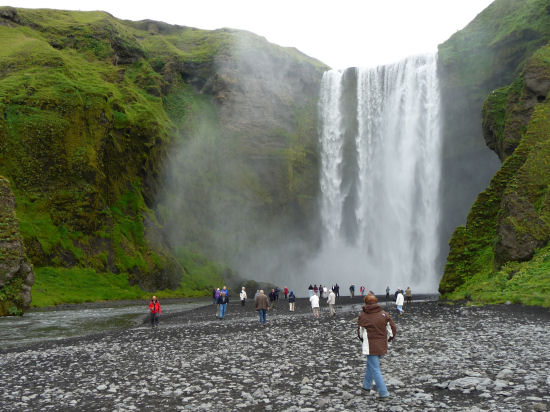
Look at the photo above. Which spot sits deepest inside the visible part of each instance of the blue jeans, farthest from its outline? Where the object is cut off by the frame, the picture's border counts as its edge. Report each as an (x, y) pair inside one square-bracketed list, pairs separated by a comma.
[(263, 316), (223, 307), (373, 373)]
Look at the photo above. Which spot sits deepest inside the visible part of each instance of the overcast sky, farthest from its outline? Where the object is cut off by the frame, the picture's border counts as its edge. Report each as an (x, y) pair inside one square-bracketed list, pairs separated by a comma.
[(340, 33)]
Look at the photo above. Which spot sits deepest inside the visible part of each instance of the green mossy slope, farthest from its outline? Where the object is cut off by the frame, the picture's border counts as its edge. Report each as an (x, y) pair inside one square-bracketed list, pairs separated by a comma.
[(501, 254), (488, 54), (90, 109)]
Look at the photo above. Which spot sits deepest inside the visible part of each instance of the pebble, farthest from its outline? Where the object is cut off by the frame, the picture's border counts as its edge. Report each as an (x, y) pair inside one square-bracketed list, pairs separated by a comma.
[(443, 358)]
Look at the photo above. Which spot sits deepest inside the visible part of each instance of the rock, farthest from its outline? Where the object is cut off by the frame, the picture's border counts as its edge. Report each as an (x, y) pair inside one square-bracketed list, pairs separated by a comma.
[(15, 267), (468, 382), (394, 382), (192, 389), (505, 373)]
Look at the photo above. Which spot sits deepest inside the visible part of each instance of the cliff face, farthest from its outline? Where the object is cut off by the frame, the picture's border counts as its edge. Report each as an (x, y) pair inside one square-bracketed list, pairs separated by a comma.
[(16, 274), (500, 254), (94, 109), (502, 251), (487, 54)]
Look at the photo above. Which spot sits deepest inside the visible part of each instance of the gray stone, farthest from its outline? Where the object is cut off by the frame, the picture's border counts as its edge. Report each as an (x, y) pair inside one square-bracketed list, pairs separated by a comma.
[(505, 373)]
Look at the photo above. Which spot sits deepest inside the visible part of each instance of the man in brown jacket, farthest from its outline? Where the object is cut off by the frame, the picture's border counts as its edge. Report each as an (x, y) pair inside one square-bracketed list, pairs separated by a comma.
[(373, 331), (261, 306)]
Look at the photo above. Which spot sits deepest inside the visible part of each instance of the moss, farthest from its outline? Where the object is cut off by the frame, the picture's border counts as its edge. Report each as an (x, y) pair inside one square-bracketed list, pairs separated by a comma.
[(90, 108), (516, 202), (493, 48)]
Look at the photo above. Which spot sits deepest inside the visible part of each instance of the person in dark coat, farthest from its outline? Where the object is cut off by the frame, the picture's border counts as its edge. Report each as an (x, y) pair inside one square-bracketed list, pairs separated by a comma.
[(261, 307), (272, 299), (222, 301), (375, 328), (291, 300)]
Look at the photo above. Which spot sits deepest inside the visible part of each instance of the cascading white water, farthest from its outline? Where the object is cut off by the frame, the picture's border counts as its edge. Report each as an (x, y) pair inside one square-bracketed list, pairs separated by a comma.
[(331, 155), (379, 205)]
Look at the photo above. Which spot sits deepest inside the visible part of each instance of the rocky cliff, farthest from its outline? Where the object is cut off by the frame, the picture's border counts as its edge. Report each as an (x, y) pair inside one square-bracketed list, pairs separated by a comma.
[(487, 54), (96, 112), (16, 274), (501, 254)]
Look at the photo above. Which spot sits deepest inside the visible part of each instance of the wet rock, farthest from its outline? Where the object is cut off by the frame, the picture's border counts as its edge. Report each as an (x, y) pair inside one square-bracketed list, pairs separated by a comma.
[(236, 366)]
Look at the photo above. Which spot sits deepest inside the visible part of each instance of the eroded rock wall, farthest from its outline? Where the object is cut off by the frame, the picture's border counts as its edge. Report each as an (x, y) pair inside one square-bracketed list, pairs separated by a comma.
[(16, 274)]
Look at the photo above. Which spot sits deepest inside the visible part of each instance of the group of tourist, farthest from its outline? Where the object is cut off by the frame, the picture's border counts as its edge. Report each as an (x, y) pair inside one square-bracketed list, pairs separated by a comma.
[(375, 327), (323, 290)]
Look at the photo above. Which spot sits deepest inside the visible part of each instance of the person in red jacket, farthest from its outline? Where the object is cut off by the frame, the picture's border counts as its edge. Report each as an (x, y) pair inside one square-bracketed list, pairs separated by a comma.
[(375, 328), (154, 308), (285, 292)]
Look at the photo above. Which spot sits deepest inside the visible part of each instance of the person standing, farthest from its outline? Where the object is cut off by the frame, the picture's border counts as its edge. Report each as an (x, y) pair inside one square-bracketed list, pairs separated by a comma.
[(214, 298), (285, 292), (314, 299), (154, 308), (387, 293), (399, 302), (261, 306), (291, 300), (223, 301), (224, 290), (331, 301), (352, 290), (310, 289), (272, 299), (243, 296), (315, 289), (217, 296), (408, 295), (372, 330), (337, 290)]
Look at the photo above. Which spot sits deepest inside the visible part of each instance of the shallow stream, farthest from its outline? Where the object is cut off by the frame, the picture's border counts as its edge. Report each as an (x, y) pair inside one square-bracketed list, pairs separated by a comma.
[(39, 326)]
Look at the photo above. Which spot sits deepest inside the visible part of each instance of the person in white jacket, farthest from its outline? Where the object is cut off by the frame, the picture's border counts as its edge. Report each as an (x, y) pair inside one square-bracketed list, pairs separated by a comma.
[(243, 296), (399, 302), (331, 301), (314, 299)]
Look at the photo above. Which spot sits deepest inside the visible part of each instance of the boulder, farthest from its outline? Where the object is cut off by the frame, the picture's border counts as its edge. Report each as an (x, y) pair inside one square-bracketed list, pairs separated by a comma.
[(16, 273)]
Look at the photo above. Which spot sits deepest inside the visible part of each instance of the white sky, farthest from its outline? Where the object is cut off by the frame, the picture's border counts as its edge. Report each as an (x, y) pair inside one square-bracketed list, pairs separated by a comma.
[(340, 33)]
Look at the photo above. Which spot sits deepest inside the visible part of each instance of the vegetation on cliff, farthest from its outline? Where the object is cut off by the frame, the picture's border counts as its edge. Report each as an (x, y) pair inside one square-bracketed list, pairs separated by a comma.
[(489, 53), (91, 108), (16, 274), (502, 252)]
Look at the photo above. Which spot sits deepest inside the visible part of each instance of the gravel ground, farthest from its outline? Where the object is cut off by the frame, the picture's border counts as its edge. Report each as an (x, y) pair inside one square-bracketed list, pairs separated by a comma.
[(445, 357)]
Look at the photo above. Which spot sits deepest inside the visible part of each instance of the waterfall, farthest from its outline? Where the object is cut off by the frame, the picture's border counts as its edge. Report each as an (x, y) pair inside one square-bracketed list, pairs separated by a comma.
[(380, 172)]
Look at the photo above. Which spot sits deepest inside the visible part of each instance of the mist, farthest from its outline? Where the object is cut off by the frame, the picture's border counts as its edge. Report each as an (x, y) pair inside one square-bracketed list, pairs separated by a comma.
[(250, 183)]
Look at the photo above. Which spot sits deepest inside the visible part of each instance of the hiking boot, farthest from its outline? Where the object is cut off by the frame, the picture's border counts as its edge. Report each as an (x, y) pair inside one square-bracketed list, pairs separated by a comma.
[(384, 398)]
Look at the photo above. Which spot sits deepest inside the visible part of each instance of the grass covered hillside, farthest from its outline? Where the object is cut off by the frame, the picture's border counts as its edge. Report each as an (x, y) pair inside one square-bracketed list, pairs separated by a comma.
[(503, 251), (489, 53), (91, 110)]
